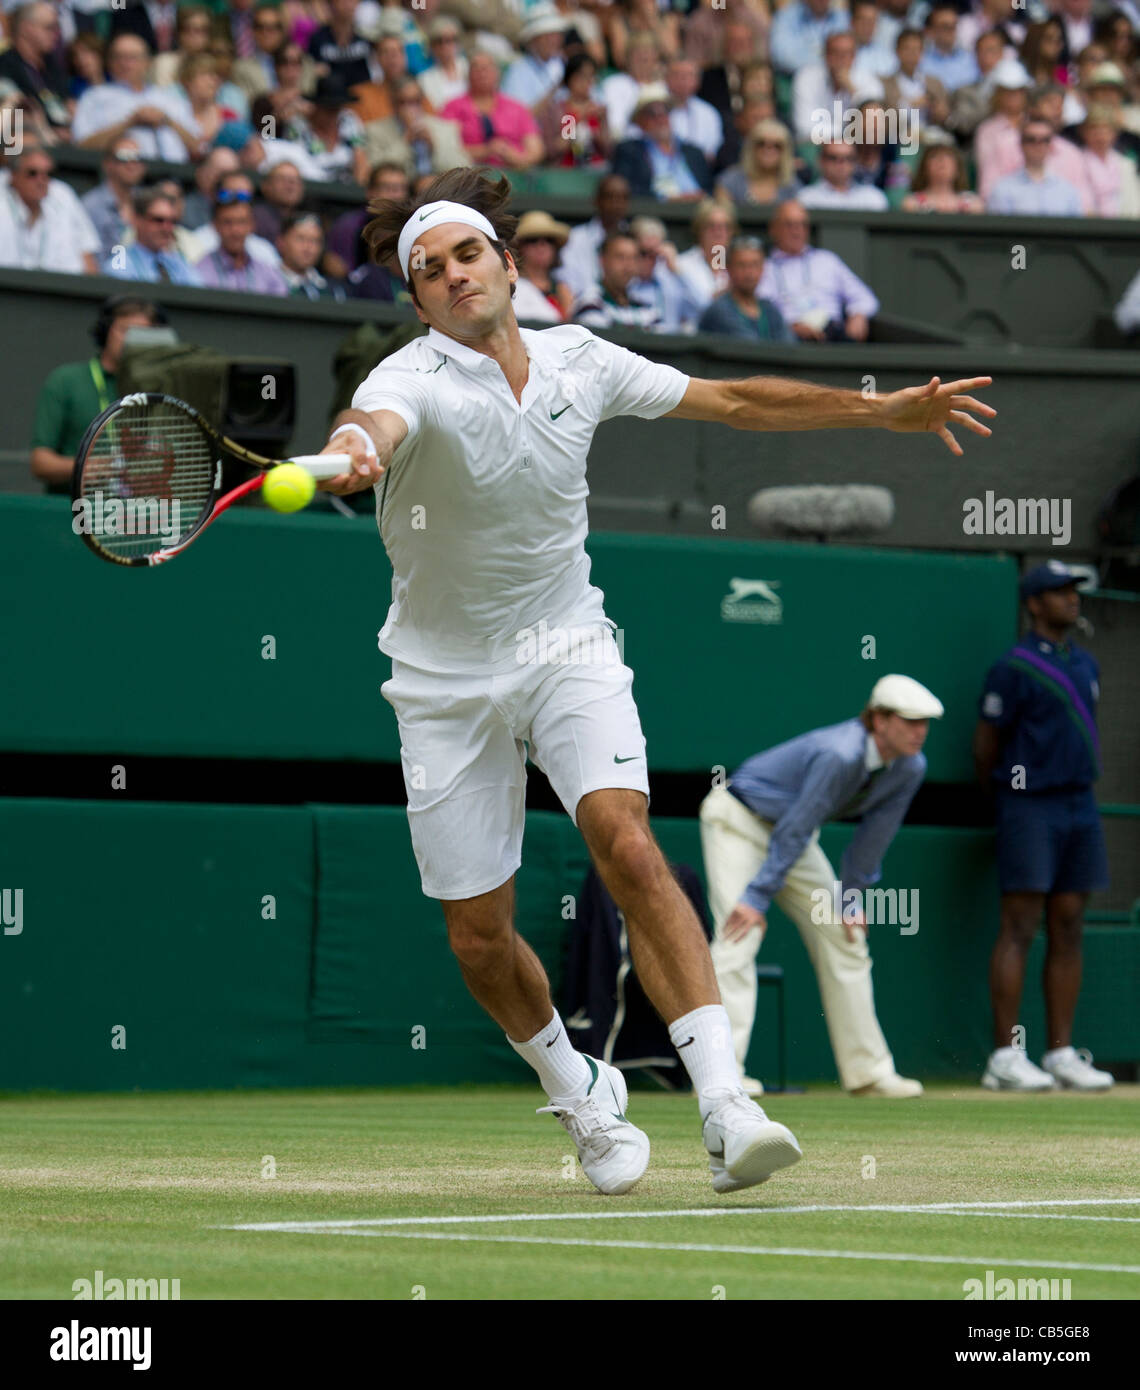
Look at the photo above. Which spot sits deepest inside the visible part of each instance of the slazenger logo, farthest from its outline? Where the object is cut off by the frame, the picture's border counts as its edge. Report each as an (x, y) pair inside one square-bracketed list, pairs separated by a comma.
[(752, 601)]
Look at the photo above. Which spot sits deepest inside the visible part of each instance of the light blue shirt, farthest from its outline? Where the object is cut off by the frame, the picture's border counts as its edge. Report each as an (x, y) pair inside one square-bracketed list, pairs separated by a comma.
[(812, 281), (141, 264), (528, 80), (799, 784), (797, 37), (1047, 197), (677, 310), (671, 175), (954, 69)]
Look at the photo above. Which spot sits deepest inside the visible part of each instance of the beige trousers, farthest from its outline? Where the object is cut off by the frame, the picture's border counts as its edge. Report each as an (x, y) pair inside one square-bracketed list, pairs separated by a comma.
[(734, 842)]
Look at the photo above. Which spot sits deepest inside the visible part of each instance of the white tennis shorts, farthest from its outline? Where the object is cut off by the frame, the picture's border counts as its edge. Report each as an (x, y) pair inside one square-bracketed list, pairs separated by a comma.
[(464, 740)]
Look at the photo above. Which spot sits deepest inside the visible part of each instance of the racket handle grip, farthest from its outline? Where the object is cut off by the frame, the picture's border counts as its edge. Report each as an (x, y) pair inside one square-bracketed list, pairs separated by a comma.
[(324, 465)]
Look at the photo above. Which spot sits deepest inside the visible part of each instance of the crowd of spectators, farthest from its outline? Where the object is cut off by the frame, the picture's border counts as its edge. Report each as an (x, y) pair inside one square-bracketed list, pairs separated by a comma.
[(1020, 107)]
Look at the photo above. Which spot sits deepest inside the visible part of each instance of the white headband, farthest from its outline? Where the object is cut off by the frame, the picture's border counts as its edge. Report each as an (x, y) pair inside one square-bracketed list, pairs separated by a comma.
[(431, 215)]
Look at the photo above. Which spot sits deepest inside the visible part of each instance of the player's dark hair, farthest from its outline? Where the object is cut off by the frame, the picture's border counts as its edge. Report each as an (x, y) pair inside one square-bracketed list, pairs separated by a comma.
[(474, 188)]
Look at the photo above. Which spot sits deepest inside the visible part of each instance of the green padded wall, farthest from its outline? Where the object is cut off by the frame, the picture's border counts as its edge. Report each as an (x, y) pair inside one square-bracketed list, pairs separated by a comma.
[(150, 918)]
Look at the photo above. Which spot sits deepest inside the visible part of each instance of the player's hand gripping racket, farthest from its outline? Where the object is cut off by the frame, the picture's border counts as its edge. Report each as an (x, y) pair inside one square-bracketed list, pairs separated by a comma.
[(148, 477)]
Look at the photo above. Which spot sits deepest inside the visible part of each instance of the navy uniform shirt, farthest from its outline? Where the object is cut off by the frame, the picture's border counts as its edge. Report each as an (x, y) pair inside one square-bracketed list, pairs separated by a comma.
[(1042, 696)]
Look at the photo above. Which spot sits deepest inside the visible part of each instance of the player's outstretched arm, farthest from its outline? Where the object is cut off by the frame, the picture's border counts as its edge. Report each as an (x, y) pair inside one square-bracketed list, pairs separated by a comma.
[(371, 437), (774, 403)]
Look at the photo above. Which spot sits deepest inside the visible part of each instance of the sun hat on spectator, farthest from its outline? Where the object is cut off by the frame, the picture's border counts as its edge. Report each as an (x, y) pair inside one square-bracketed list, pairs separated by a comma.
[(1106, 75), (650, 95), (443, 24), (1011, 75), (539, 224), (543, 19)]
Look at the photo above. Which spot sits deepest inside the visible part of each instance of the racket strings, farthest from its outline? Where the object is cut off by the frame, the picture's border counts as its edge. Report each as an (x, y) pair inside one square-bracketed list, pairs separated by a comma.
[(147, 478)]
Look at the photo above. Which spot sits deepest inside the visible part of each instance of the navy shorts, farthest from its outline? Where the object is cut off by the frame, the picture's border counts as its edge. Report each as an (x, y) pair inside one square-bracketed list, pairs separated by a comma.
[(1050, 843)]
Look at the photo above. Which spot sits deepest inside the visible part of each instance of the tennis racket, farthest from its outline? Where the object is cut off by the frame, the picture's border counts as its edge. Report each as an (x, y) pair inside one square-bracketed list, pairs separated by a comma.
[(148, 477)]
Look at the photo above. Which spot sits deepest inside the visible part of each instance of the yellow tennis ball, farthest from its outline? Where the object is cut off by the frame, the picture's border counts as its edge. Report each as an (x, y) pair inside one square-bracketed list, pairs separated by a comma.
[(288, 487)]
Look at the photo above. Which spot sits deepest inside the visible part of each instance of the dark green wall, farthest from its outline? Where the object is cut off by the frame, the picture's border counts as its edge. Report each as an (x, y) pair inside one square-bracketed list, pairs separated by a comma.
[(149, 918), (170, 660)]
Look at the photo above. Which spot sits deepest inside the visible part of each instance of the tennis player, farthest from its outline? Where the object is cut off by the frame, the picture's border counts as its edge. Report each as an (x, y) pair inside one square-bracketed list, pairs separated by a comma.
[(475, 438)]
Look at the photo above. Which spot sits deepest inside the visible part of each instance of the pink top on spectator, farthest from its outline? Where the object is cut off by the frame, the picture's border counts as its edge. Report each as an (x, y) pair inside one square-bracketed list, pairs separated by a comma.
[(1104, 181), (510, 120)]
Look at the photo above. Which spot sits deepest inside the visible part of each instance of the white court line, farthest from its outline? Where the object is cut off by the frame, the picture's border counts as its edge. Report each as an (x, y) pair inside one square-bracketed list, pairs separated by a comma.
[(931, 1208), (984, 1261)]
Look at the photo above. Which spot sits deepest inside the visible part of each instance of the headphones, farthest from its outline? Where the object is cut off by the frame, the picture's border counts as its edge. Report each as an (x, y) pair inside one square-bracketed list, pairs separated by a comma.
[(108, 312)]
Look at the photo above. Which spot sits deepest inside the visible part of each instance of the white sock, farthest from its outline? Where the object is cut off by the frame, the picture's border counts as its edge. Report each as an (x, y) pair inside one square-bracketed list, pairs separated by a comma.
[(703, 1039), (562, 1072)]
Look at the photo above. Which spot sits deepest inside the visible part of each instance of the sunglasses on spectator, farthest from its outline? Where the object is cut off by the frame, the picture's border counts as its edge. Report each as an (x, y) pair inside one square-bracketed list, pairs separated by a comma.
[(1036, 139), (161, 221), (226, 196)]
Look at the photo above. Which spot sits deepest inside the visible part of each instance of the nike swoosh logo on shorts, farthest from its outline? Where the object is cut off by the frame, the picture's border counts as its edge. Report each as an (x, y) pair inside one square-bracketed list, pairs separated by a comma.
[(631, 759)]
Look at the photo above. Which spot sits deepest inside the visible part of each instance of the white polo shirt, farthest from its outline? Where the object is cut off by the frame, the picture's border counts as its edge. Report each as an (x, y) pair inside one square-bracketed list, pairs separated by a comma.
[(56, 240), (483, 508), (110, 102)]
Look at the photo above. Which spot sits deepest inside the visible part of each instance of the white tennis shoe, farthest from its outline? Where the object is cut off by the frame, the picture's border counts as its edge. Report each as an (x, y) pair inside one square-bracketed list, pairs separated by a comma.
[(745, 1147), (1009, 1069), (613, 1153), (1074, 1072)]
